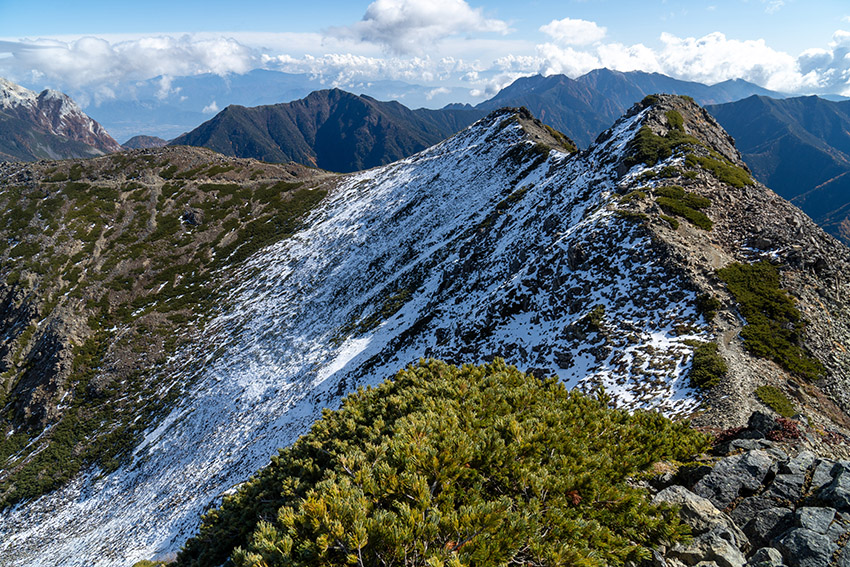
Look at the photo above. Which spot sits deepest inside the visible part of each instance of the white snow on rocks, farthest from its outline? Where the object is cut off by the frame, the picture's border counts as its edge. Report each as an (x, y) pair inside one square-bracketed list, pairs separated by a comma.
[(475, 248)]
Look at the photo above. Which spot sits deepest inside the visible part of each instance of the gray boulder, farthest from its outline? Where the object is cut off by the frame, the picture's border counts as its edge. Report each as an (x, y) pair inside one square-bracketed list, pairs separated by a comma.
[(802, 547), (767, 525), (816, 519), (837, 493), (765, 557), (716, 537), (738, 475)]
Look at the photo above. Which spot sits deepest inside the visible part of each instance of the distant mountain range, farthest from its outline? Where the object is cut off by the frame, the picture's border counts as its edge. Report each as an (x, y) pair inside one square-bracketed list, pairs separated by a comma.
[(582, 108), (340, 131), (169, 106), (800, 148), (47, 125), (142, 142)]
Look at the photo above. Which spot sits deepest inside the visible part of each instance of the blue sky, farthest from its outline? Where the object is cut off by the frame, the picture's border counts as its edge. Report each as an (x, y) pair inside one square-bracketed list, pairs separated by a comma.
[(100, 47)]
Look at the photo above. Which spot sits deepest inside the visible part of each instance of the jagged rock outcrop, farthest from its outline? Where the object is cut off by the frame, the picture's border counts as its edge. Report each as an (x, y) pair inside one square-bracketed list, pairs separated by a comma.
[(47, 125)]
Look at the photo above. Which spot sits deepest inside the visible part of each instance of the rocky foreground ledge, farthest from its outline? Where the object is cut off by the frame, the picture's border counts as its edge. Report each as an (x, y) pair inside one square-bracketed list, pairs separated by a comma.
[(766, 502)]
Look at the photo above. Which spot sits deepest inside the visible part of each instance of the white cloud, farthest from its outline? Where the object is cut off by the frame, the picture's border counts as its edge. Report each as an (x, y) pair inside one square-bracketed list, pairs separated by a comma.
[(773, 6), (574, 32), (410, 26), (94, 62), (211, 108), (436, 92), (711, 59), (714, 58)]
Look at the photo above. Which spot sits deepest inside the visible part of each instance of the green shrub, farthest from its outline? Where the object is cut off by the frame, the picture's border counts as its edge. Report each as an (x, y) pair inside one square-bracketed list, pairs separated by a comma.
[(678, 208), (636, 195), (676, 201), (708, 367), (633, 216), (707, 305), (479, 465), (724, 171), (168, 172), (216, 169), (675, 120), (674, 224), (775, 399), (649, 148), (774, 326)]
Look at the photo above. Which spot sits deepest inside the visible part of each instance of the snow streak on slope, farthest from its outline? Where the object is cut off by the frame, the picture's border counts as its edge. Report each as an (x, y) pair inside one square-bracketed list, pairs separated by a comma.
[(481, 246)]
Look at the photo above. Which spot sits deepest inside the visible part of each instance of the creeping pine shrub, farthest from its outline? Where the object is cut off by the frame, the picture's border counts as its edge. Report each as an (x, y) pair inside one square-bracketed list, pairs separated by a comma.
[(477, 465), (708, 367), (676, 201), (774, 324), (723, 170), (775, 399)]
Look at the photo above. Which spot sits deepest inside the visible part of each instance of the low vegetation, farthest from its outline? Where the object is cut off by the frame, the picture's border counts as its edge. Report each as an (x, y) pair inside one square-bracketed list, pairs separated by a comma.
[(649, 148), (774, 325), (138, 263), (478, 465), (775, 399), (676, 201), (707, 367), (722, 169)]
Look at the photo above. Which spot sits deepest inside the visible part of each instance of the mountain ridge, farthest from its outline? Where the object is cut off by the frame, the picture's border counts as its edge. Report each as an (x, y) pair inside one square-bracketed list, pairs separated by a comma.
[(47, 125), (591, 266), (330, 129), (799, 147)]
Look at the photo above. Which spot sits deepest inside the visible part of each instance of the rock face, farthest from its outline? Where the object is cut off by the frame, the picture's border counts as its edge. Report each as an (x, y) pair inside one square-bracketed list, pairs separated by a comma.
[(499, 242), (47, 125), (773, 505)]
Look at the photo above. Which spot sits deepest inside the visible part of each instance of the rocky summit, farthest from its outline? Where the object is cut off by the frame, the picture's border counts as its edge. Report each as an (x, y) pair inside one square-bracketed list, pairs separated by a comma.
[(47, 125), (651, 265)]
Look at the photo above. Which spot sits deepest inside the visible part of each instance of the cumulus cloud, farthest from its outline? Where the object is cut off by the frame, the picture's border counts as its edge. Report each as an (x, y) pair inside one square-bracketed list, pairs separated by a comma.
[(711, 59), (436, 92), (211, 108), (574, 32), (410, 26), (91, 61)]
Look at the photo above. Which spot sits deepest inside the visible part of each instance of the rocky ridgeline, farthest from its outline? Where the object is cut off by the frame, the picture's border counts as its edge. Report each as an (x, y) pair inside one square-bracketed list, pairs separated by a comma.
[(766, 502)]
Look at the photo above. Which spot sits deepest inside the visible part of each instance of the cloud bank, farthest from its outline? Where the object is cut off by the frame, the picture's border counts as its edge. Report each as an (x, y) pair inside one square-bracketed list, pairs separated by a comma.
[(437, 43)]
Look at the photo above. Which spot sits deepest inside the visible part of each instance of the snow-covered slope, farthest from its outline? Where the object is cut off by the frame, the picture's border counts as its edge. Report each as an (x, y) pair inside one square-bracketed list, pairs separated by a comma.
[(484, 245)]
